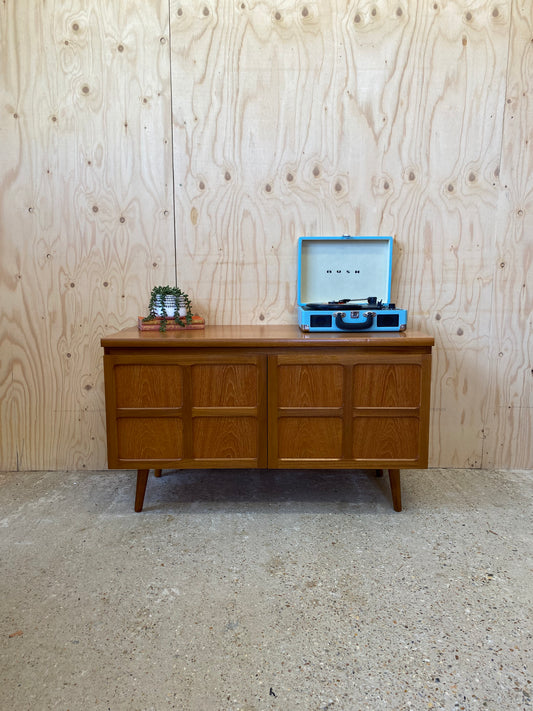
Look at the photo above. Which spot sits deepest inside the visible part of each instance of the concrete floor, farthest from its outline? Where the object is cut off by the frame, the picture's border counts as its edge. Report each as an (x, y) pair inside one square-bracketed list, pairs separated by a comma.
[(265, 590)]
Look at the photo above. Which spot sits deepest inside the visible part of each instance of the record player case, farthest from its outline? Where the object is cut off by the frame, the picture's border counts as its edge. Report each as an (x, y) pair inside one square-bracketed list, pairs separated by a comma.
[(269, 397), (344, 284)]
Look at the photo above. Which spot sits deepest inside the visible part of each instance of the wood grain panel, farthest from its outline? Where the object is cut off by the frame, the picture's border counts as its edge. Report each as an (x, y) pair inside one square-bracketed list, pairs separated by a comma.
[(382, 438), (271, 147), (149, 386), (309, 438), (382, 119), (225, 437), (386, 385), (310, 385), (85, 211), (440, 161), (224, 385), (508, 440), (150, 438)]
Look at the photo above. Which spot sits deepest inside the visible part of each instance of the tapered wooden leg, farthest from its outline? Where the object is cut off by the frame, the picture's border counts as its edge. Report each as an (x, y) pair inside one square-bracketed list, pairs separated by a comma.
[(395, 487), (157, 472), (142, 478)]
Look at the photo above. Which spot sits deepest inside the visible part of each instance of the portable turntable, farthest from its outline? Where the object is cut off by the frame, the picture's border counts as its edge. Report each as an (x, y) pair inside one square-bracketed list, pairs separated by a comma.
[(344, 284)]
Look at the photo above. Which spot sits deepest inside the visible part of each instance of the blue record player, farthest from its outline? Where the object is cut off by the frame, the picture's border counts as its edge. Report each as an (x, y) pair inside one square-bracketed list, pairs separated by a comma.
[(344, 285)]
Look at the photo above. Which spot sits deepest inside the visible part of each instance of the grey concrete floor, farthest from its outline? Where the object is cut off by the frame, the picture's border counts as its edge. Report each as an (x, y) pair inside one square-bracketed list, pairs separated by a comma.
[(265, 590)]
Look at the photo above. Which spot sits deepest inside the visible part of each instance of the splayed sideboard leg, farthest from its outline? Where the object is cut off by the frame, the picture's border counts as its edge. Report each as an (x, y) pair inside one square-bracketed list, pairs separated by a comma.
[(395, 487), (142, 478)]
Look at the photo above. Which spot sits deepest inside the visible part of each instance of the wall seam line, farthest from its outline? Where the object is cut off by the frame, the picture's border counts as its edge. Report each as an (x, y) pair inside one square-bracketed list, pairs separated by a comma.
[(174, 231)]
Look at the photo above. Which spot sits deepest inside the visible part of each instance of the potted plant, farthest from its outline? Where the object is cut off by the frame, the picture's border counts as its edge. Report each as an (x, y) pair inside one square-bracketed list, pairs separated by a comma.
[(169, 302)]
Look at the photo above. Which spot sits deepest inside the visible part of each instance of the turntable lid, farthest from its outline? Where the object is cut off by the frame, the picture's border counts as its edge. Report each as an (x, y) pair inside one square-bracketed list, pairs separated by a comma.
[(333, 268)]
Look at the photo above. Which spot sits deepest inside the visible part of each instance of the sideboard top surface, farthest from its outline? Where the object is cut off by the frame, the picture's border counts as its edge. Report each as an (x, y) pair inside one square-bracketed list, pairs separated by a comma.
[(261, 337)]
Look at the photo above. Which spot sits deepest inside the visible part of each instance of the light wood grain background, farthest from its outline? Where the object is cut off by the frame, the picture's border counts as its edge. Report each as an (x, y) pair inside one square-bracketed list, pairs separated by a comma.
[(196, 140)]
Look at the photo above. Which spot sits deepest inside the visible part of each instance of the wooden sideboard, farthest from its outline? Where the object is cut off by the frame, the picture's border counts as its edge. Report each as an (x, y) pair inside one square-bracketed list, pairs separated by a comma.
[(266, 397)]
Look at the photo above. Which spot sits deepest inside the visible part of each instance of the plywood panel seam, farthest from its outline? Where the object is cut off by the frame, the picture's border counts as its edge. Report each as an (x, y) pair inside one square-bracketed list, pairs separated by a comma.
[(171, 122)]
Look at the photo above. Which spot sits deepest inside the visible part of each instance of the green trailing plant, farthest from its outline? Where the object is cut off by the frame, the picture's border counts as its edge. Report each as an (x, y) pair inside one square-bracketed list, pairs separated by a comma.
[(157, 303)]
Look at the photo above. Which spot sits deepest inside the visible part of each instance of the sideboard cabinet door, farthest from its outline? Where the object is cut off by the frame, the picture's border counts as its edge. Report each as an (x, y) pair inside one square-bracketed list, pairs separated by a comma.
[(203, 410), (362, 410)]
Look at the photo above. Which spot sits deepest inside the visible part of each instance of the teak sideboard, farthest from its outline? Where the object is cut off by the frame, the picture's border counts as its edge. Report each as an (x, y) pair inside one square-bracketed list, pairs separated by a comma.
[(266, 397)]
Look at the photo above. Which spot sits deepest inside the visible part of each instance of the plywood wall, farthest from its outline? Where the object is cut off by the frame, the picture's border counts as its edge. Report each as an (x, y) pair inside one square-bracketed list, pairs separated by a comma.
[(370, 118), (201, 138), (508, 413), (86, 217)]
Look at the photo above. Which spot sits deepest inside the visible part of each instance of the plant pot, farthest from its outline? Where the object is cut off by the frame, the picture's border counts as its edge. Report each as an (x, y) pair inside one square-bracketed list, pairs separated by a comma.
[(171, 307)]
